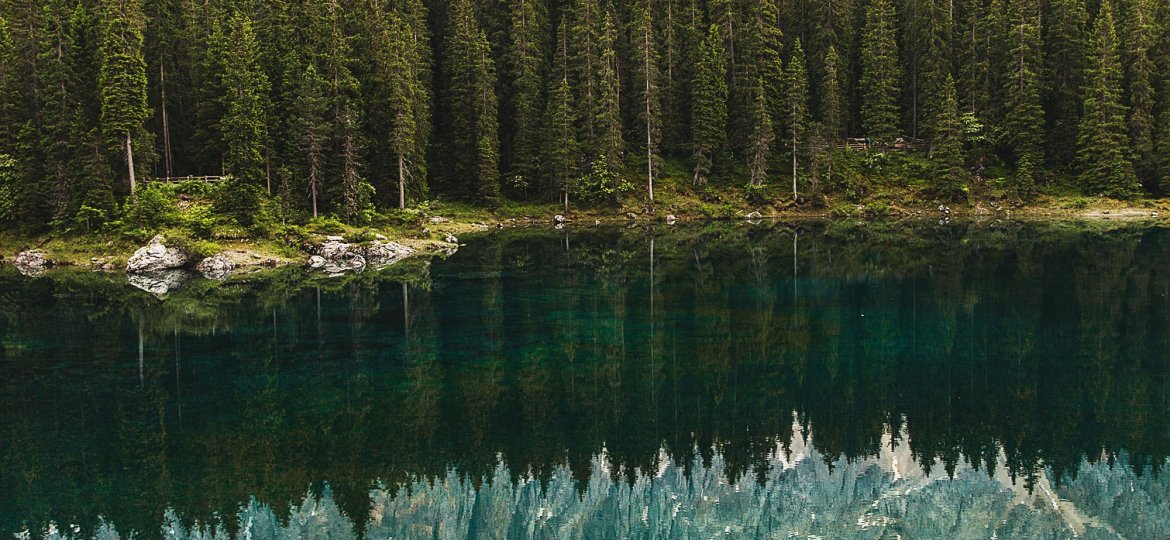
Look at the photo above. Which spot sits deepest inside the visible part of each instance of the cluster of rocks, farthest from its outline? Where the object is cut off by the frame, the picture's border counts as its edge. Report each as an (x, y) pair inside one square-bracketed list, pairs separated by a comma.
[(336, 256), (32, 262)]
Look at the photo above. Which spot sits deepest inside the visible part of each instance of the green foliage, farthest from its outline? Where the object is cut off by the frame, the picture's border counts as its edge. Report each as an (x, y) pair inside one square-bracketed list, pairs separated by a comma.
[(7, 187), (151, 209), (238, 199), (602, 184)]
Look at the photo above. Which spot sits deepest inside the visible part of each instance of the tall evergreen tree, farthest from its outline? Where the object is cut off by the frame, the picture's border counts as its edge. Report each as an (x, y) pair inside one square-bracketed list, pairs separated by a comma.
[(526, 57), (561, 156), (1139, 86), (762, 137), (1024, 118), (123, 77), (310, 107), (472, 102), (1066, 43), (608, 117), (406, 89), (796, 86), (709, 106), (1103, 144), (647, 89), (948, 144), (832, 97), (880, 73), (245, 123)]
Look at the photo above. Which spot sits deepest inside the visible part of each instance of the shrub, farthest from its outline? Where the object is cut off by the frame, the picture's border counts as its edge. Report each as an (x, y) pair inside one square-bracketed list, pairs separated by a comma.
[(239, 199), (151, 208), (601, 184)]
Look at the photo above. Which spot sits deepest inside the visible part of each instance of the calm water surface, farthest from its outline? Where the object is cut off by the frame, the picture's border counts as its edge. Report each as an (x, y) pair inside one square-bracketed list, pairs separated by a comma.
[(767, 381)]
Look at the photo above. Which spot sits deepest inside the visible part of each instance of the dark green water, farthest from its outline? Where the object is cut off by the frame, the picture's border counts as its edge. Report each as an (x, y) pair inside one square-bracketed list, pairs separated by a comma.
[(957, 381)]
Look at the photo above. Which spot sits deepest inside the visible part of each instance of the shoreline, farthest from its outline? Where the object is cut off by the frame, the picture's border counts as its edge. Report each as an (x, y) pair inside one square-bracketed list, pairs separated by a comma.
[(103, 254)]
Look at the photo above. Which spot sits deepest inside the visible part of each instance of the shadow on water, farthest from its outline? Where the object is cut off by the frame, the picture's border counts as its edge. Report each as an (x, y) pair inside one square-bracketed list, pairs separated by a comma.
[(812, 378)]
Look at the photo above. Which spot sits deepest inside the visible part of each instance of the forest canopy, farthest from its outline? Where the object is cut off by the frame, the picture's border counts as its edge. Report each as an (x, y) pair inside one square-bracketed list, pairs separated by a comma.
[(345, 107)]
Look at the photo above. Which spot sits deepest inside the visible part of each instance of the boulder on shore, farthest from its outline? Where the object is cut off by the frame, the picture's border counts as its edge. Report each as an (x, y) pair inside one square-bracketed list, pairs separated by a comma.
[(32, 262), (335, 256), (156, 257), (217, 267)]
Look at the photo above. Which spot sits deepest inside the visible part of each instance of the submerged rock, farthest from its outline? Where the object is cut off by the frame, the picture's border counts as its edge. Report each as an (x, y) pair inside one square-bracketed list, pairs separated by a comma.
[(32, 262), (157, 257), (216, 267), (160, 282)]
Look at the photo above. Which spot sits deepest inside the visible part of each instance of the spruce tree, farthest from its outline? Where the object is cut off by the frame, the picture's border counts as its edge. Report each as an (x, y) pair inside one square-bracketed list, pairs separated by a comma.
[(947, 144), (796, 105), (310, 107), (123, 77), (561, 155), (832, 97), (880, 74), (472, 103), (709, 106), (406, 89), (245, 123), (1023, 131), (1066, 44), (609, 143), (526, 58), (1139, 86), (1103, 144), (647, 89), (762, 137), (586, 41), (8, 88)]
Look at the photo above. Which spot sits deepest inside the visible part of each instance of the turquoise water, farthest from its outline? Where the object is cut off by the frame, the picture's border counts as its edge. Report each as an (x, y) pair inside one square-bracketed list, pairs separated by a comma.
[(922, 381)]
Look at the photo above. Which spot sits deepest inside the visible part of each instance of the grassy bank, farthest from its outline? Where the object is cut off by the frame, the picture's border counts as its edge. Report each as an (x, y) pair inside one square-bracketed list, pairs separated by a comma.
[(188, 215)]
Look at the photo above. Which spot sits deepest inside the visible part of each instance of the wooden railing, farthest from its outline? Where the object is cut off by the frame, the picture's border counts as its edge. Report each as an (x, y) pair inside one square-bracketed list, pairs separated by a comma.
[(180, 179), (901, 144)]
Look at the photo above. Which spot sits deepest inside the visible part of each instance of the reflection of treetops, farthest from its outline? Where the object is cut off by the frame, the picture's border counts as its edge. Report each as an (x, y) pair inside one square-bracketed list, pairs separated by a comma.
[(807, 494)]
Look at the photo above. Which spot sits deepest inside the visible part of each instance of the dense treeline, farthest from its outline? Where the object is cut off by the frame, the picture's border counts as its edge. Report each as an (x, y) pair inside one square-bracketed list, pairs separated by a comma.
[(344, 106)]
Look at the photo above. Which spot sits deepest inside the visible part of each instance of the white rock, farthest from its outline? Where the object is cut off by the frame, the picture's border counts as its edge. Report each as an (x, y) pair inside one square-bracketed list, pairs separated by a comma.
[(670, 219), (755, 215), (450, 239), (216, 267), (31, 263), (557, 219), (159, 283), (156, 257)]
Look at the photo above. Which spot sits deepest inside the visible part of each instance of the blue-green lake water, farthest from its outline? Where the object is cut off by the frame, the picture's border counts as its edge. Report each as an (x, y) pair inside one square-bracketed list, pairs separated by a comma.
[(708, 381)]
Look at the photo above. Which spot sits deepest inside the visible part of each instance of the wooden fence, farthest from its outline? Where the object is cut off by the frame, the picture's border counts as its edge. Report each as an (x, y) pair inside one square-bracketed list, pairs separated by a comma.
[(901, 144), (180, 179)]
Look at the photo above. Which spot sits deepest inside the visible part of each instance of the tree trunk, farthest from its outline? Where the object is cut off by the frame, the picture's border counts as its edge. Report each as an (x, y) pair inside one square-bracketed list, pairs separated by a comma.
[(130, 164), (401, 182), (162, 88)]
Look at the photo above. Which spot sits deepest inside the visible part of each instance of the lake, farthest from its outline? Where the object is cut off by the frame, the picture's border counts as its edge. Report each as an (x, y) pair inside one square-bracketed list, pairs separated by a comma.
[(831, 380)]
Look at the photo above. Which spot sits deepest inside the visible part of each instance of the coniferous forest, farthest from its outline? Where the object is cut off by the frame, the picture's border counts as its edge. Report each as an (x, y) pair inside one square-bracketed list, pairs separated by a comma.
[(344, 107)]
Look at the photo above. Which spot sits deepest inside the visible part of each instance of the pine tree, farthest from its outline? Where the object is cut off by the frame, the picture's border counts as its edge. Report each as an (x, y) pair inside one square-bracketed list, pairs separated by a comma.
[(1139, 87), (1066, 43), (526, 58), (647, 89), (586, 38), (1024, 116), (244, 124), (609, 144), (472, 102), (709, 106), (48, 197), (1103, 145), (560, 153), (796, 86), (406, 89), (309, 107), (764, 55), (123, 77), (8, 88), (880, 74), (948, 143), (762, 137), (832, 98)]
